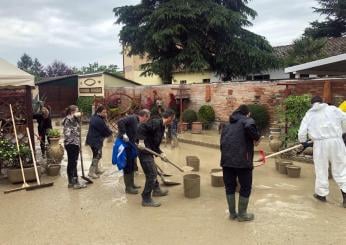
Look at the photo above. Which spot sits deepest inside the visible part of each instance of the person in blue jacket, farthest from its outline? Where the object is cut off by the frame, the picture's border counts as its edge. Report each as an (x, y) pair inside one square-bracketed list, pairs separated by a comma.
[(98, 131)]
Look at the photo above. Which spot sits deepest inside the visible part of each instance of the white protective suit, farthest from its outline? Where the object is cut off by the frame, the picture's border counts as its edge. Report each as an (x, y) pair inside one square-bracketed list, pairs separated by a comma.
[(323, 124)]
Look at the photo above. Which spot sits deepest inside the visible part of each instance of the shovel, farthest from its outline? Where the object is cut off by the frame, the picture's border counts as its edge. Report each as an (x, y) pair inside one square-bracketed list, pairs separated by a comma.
[(165, 181), (263, 157)]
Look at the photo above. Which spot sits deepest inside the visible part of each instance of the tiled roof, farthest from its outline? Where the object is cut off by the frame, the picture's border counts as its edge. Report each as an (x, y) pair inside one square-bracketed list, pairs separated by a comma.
[(334, 46)]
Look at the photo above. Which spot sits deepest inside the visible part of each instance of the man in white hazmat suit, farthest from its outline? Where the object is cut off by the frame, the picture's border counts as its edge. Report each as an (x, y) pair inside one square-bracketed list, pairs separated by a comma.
[(323, 125)]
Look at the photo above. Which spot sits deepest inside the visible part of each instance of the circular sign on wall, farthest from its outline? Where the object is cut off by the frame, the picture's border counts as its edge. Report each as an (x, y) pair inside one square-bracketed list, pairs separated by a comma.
[(90, 82)]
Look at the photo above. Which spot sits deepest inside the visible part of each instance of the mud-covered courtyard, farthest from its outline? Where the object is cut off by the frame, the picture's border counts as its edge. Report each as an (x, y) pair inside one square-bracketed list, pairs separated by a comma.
[(285, 211)]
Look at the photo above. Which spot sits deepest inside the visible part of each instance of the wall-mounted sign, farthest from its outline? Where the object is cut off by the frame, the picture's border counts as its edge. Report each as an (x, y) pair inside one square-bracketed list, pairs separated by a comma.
[(90, 90), (90, 82)]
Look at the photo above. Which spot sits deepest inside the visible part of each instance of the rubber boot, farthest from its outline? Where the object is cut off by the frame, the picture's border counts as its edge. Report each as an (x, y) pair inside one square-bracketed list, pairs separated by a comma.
[(133, 181), (149, 202), (70, 182), (242, 210), (128, 185), (77, 185), (320, 198), (231, 206), (92, 170), (99, 169), (158, 192), (344, 197)]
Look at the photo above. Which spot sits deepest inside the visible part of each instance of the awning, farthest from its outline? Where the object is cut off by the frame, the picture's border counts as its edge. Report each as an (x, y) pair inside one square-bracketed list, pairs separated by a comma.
[(11, 76)]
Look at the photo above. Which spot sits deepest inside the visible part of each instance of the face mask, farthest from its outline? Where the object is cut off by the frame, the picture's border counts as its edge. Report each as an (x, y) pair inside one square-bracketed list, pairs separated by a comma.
[(77, 114)]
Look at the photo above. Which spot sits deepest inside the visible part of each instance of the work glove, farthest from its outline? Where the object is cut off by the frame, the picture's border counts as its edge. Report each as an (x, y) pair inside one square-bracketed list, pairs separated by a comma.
[(163, 157), (141, 145), (307, 144), (126, 138)]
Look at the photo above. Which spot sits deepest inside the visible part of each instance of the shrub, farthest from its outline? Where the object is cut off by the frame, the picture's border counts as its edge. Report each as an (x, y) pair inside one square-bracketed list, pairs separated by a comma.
[(293, 110), (206, 114), (189, 116), (9, 154), (261, 116), (84, 104)]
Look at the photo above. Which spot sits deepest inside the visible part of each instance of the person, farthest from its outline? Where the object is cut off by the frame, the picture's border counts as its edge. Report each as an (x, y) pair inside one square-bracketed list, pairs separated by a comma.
[(150, 135), (237, 142), (44, 124), (71, 124), (127, 131), (323, 125), (343, 108), (98, 131)]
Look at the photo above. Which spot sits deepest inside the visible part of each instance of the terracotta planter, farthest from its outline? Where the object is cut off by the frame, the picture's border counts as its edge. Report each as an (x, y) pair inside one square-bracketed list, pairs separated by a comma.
[(193, 161), (283, 166), (55, 151), (15, 175), (293, 171), (192, 185), (183, 126), (196, 128), (275, 141), (53, 169)]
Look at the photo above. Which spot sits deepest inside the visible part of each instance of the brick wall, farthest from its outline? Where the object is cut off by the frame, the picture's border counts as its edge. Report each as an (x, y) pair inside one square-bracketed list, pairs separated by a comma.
[(226, 97)]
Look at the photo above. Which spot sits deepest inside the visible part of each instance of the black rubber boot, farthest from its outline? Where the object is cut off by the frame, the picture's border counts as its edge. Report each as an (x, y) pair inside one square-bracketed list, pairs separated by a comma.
[(70, 182), (149, 202), (133, 181), (158, 192), (320, 198), (128, 185), (231, 206), (344, 197), (243, 215), (77, 185)]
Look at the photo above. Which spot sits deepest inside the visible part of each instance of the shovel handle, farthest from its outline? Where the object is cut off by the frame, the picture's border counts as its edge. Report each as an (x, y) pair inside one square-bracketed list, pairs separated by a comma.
[(166, 160)]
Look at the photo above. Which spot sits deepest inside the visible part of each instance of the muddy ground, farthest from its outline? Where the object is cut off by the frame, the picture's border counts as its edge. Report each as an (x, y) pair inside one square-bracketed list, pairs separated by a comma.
[(286, 212)]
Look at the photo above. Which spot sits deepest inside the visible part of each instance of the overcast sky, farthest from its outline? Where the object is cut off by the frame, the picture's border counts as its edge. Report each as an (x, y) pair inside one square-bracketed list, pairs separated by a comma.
[(79, 32)]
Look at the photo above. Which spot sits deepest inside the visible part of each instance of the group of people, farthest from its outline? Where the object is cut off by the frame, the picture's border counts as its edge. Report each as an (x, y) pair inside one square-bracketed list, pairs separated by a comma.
[(322, 126)]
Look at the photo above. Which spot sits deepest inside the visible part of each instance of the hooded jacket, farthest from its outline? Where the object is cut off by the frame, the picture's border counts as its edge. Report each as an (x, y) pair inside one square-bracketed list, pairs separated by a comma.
[(237, 141), (98, 131), (321, 122)]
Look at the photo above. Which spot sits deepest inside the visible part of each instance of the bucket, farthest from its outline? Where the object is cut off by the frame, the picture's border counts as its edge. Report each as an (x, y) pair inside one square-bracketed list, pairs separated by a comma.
[(293, 171), (215, 170), (193, 161), (53, 169), (217, 179), (283, 166), (192, 183)]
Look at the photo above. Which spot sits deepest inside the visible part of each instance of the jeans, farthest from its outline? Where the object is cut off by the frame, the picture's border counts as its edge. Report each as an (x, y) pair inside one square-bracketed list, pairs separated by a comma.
[(130, 163), (244, 176), (150, 171), (72, 157)]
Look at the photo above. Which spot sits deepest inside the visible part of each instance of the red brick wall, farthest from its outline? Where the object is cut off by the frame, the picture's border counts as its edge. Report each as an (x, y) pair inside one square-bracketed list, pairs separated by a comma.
[(226, 97)]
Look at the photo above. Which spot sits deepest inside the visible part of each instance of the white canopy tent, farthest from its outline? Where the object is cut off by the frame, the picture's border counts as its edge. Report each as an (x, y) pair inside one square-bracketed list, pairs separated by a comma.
[(11, 76)]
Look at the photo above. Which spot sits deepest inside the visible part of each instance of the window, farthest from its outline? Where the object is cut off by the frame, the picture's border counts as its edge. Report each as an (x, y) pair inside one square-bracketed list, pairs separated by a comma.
[(292, 75), (182, 81), (206, 80), (262, 77), (304, 76)]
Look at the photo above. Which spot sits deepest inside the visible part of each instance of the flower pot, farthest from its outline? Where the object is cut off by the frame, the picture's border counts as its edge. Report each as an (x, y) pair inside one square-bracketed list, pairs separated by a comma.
[(183, 126), (55, 151), (275, 141), (193, 161), (283, 166), (196, 128), (15, 175), (293, 171), (53, 169), (192, 185)]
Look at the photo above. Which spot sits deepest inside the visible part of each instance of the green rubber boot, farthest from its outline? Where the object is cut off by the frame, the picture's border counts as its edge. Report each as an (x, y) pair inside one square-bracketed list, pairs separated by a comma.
[(242, 210), (231, 206), (128, 185)]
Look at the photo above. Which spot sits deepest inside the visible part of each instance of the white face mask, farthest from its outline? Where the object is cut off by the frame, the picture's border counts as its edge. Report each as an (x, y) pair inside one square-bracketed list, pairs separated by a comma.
[(77, 114)]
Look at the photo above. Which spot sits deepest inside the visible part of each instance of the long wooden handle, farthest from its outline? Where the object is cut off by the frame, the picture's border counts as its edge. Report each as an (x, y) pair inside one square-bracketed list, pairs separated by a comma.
[(18, 149), (168, 161), (33, 157), (283, 151)]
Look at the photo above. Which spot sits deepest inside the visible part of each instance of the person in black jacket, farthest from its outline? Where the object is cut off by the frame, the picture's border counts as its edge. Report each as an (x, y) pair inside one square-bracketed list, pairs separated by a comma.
[(237, 151), (150, 135), (127, 131), (98, 131), (44, 124)]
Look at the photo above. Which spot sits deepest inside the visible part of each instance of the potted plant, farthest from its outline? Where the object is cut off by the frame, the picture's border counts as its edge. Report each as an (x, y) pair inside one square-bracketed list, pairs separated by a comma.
[(206, 115), (55, 153), (10, 159), (189, 116)]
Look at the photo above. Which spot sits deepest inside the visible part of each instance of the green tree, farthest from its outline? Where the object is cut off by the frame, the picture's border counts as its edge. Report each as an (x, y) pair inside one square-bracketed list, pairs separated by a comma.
[(25, 63), (194, 35), (58, 68), (95, 67), (305, 49), (334, 24), (38, 70)]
